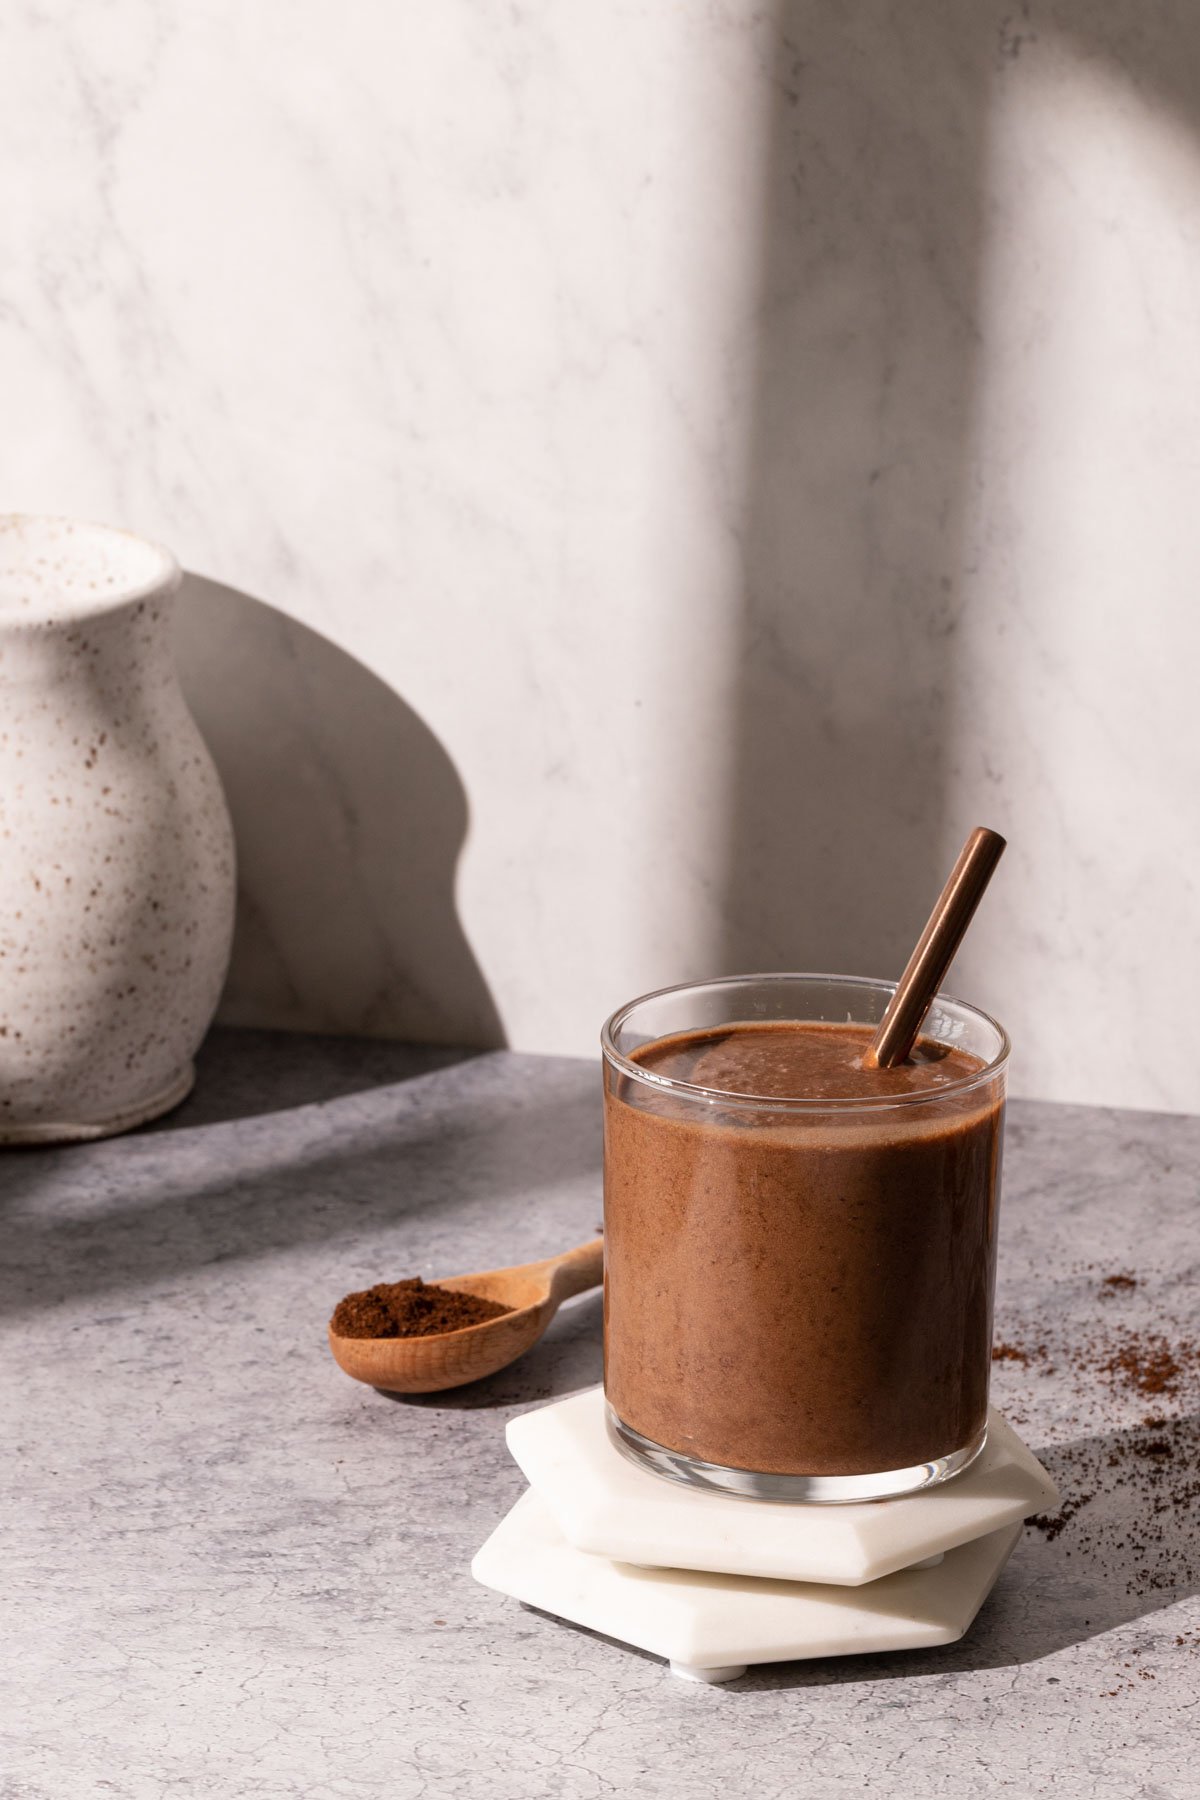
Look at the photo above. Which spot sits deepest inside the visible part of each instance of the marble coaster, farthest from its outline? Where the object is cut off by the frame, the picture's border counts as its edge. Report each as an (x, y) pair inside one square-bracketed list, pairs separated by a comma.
[(603, 1503), (710, 1627)]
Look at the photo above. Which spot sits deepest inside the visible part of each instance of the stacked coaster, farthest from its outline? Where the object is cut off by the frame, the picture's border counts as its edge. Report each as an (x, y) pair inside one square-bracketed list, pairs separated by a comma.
[(713, 1582)]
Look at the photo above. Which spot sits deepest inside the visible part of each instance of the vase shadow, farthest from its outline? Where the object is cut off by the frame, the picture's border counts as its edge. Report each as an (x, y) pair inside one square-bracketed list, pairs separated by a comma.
[(366, 1183), (244, 1073), (349, 817)]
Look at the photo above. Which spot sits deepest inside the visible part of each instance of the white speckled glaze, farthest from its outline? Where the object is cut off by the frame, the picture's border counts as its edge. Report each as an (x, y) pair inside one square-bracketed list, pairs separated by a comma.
[(117, 863)]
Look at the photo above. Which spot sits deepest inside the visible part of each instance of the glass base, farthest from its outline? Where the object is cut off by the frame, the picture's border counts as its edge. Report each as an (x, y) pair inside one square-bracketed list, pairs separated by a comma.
[(822, 1490)]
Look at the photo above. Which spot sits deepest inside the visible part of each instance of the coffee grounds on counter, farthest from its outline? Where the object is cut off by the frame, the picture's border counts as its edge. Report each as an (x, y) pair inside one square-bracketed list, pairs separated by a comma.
[(413, 1308), (1146, 1362), (1130, 1478)]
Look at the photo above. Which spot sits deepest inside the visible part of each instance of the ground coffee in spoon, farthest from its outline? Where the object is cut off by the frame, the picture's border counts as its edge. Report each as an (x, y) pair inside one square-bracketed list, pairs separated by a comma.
[(411, 1308)]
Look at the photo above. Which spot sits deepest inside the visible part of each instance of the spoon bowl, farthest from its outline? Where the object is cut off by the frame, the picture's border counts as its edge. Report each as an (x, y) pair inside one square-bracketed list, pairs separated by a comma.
[(446, 1359)]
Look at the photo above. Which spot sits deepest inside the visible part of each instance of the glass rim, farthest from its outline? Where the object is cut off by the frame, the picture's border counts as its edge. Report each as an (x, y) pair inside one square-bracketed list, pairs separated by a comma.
[(724, 1097)]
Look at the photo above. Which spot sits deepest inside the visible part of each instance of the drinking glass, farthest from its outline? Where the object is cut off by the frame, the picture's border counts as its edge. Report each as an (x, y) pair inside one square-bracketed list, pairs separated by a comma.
[(798, 1290)]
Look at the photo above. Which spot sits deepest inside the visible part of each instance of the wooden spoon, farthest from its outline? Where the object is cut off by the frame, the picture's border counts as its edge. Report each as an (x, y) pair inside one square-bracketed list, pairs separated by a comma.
[(425, 1365)]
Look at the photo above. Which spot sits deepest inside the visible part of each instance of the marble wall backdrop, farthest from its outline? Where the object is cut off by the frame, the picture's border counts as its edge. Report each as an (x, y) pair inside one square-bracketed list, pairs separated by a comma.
[(654, 475)]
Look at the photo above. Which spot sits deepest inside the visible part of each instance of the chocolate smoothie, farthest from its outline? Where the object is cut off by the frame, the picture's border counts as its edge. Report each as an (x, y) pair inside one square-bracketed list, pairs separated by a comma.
[(801, 1292)]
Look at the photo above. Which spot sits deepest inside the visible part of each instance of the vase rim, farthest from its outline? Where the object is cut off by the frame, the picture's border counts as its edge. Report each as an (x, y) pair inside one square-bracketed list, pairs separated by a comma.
[(61, 571)]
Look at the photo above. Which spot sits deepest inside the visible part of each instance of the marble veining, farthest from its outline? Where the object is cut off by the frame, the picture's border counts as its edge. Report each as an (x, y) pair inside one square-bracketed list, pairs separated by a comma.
[(670, 472), (233, 1573)]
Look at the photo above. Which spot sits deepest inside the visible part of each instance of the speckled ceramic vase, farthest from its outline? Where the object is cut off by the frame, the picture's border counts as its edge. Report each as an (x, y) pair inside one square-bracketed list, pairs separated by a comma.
[(117, 866)]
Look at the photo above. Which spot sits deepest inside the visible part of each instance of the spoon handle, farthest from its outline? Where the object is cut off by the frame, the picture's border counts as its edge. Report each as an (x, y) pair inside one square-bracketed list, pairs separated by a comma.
[(576, 1270)]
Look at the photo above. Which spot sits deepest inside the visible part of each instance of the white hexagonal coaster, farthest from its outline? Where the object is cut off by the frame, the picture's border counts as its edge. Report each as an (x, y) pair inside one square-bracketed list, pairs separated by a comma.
[(604, 1503), (710, 1627)]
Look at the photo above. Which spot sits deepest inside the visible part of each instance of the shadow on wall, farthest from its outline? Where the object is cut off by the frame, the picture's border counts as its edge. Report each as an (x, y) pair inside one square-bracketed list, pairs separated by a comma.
[(845, 738), (349, 817), (857, 475)]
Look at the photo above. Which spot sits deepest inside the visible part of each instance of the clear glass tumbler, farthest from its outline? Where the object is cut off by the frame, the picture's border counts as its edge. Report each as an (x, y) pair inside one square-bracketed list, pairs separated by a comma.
[(798, 1290)]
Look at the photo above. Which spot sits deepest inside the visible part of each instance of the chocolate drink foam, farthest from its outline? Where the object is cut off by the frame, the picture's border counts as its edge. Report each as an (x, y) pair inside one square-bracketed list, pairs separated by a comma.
[(801, 1292)]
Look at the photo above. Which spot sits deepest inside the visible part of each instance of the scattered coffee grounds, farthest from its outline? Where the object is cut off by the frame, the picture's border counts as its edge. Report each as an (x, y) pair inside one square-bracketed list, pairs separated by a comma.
[(1052, 1523), (1142, 1362), (1147, 1363), (1129, 1472), (1106, 1389), (413, 1308)]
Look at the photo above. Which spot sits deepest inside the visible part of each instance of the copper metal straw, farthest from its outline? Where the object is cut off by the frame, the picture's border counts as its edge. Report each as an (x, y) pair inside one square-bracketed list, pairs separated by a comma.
[(935, 949)]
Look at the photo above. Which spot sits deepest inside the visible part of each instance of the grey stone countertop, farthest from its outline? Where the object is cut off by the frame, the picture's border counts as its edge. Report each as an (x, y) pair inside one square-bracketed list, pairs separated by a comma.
[(230, 1571)]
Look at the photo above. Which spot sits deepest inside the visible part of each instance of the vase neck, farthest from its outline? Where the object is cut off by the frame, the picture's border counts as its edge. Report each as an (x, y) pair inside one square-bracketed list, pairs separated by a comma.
[(123, 645)]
